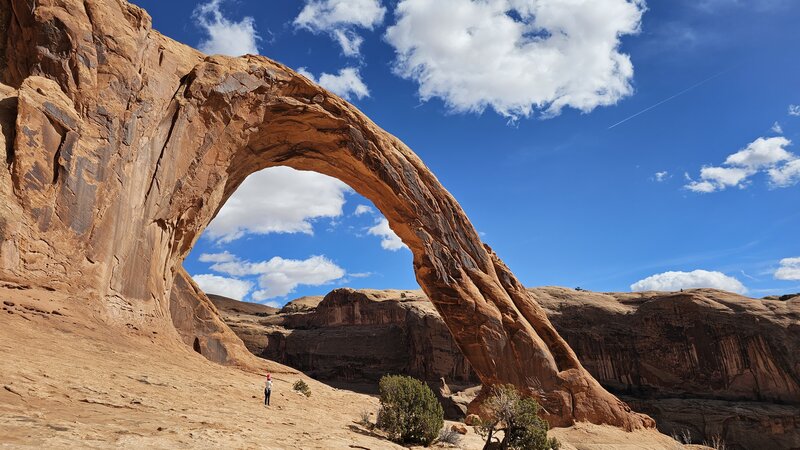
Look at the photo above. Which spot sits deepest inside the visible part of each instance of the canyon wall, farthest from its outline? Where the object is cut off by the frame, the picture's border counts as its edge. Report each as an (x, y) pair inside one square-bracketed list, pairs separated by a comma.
[(703, 362), (353, 336)]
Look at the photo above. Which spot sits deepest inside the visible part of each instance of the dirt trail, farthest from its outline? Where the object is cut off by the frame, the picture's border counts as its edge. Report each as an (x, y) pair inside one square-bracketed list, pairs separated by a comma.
[(69, 380)]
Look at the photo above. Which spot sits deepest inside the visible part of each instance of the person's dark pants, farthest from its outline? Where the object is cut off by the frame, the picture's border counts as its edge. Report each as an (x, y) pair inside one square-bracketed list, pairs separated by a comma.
[(266, 396)]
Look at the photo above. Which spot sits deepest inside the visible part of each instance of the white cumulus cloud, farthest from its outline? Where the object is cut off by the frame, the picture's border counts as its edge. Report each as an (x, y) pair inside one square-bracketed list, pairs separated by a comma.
[(674, 281), (280, 277), (278, 200), (794, 110), (347, 84), (389, 240), (363, 209), (719, 178), (224, 286), (661, 176), (225, 36), (276, 277), (777, 128), (516, 56), (340, 19), (786, 175), (789, 269), (763, 152), (767, 155)]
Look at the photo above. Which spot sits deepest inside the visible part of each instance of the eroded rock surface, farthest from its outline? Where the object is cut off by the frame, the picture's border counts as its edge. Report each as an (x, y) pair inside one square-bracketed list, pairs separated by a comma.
[(703, 362), (707, 361), (120, 146), (353, 336), (702, 342)]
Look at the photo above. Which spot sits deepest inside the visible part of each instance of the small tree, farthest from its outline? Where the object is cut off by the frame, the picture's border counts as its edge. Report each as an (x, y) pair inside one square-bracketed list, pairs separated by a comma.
[(410, 412), (517, 417), (302, 387)]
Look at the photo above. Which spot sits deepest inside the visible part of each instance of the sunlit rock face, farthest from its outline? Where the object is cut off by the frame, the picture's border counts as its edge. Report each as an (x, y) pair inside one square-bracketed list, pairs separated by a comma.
[(121, 145), (704, 362)]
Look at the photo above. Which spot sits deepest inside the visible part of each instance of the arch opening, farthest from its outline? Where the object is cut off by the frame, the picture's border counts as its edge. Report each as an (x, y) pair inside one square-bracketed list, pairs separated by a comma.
[(256, 114), (155, 161), (302, 236), (286, 233)]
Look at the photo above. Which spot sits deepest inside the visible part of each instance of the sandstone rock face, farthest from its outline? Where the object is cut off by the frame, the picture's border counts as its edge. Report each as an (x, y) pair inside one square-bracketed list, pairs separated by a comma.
[(701, 343), (120, 146), (353, 336), (199, 324), (740, 424), (706, 362)]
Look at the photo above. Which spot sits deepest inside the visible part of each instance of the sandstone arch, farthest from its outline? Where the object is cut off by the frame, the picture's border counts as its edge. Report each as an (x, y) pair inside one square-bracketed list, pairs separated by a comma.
[(121, 145)]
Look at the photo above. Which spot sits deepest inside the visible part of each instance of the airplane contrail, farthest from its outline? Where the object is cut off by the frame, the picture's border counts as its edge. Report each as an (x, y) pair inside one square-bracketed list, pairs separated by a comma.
[(669, 98)]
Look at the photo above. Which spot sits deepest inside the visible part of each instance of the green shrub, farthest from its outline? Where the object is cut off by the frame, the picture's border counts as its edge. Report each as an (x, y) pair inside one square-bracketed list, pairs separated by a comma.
[(518, 418), (301, 386), (410, 412)]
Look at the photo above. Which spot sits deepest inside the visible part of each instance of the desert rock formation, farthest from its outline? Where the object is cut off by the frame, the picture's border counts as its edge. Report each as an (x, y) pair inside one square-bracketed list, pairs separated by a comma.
[(352, 336), (121, 145), (703, 362)]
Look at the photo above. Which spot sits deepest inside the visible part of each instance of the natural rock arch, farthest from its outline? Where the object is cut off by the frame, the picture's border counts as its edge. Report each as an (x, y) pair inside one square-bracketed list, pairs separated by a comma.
[(122, 145)]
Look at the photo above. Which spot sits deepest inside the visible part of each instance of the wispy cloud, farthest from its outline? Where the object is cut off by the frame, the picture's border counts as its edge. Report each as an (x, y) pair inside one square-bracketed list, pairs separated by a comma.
[(661, 176), (672, 97)]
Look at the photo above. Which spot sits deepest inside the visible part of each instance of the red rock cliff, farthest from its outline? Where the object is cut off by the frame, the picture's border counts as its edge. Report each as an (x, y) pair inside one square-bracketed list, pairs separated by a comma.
[(120, 146)]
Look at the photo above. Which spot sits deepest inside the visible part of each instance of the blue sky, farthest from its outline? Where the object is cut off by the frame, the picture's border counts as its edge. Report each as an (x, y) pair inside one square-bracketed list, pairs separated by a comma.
[(612, 145)]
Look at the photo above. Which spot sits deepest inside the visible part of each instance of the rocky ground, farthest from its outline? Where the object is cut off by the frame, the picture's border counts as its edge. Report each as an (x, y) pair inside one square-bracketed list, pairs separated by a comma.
[(73, 378), (703, 362)]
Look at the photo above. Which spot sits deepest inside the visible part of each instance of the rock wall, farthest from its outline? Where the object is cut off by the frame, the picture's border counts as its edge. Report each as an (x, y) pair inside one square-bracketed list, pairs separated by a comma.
[(701, 343), (354, 336), (707, 362), (703, 362), (120, 146)]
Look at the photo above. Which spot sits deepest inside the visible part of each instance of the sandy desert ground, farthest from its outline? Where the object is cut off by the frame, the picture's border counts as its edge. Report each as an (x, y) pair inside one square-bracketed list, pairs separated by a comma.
[(71, 380)]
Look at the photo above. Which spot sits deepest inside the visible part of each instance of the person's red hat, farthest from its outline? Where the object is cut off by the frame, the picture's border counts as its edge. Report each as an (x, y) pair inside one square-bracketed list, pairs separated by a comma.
[(269, 375)]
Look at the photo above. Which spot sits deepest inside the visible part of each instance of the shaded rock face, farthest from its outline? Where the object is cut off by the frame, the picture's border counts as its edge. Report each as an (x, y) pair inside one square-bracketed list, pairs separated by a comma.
[(120, 146), (701, 343), (741, 424), (354, 336), (706, 362)]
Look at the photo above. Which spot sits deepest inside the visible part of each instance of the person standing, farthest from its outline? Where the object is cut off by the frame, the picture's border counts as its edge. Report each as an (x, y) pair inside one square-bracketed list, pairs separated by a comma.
[(267, 389)]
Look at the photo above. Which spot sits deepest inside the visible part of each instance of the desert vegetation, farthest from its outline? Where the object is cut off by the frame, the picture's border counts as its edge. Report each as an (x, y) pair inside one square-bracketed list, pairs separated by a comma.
[(409, 412), (516, 417), (302, 387)]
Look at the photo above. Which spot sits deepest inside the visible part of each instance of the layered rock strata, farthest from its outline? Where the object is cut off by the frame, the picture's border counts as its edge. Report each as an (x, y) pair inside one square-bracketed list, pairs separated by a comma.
[(120, 146), (703, 362), (353, 336)]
